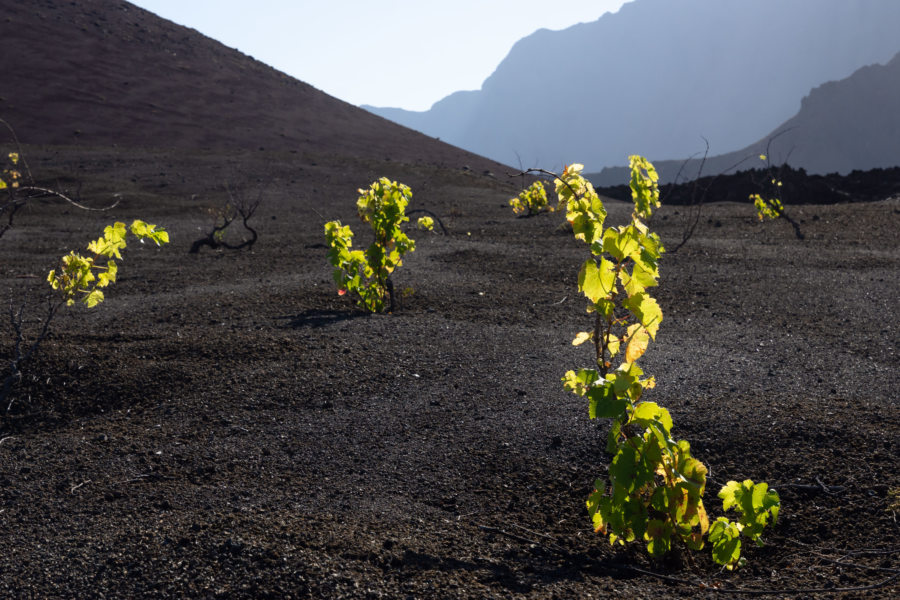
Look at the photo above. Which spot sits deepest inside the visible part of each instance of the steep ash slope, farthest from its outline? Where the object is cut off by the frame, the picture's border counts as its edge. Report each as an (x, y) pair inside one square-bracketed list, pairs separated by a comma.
[(103, 72)]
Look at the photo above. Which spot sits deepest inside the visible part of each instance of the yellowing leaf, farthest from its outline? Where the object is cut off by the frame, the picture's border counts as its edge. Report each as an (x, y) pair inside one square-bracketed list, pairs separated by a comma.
[(581, 338), (612, 345), (638, 338)]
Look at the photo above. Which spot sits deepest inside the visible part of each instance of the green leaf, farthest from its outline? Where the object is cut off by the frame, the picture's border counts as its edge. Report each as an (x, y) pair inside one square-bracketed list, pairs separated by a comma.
[(143, 231), (597, 282), (725, 538), (658, 537), (644, 186), (728, 494), (112, 242), (625, 378), (94, 298), (641, 277), (109, 276), (647, 412), (694, 471), (646, 310), (620, 243), (579, 383), (531, 200), (602, 402), (612, 439), (622, 472)]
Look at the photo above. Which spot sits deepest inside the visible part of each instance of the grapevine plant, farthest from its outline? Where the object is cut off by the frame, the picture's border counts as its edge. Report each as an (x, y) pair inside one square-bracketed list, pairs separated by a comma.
[(531, 201), (654, 490), (10, 177), (18, 187), (771, 205), (78, 278), (366, 275)]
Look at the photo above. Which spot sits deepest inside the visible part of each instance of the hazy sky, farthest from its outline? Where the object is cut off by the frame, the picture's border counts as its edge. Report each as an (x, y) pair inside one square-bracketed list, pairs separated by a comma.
[(401, 53)]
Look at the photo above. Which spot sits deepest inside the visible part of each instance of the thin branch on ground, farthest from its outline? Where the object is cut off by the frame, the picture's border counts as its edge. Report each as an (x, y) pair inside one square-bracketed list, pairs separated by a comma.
[(23, 189), (520, 538)]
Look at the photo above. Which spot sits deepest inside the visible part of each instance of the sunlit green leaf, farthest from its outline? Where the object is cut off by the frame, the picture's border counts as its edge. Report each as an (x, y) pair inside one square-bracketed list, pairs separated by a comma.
[(646, 310), (725, 538), (597, 281), (93, 298)]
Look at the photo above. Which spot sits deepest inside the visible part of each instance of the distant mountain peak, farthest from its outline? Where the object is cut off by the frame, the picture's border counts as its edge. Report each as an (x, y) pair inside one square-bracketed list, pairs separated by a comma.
[(658, 76)]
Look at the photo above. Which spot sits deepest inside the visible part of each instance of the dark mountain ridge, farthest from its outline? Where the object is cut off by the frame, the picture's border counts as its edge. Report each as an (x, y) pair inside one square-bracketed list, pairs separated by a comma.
[(842, 126)]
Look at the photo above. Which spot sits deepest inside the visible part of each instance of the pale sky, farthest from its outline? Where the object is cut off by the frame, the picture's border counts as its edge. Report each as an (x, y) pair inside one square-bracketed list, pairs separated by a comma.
[(399, 53)]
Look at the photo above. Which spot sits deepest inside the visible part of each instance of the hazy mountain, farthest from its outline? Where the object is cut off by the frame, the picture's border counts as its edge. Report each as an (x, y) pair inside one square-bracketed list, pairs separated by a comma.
[(102, 72), (841, 126), (656, 76)]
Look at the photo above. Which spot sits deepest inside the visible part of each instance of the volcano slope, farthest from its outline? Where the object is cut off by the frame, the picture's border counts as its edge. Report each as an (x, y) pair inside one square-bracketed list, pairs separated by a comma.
[(225, 425)]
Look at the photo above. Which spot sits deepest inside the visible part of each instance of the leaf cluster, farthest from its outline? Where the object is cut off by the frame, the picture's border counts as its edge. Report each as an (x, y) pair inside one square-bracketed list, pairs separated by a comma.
[(655, 488), (531, 201), (10, 175), (365, 275), (757, 505), (624, 263), (83, 276), (769, 207)]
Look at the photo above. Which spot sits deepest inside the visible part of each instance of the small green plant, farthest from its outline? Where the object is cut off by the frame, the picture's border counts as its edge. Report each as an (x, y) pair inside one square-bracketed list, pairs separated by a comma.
[(531, 201), (10, 178), (758, 506), (655, 488), (425, 223), (10, 172), (366, 275), (771, 206), (78, 278)]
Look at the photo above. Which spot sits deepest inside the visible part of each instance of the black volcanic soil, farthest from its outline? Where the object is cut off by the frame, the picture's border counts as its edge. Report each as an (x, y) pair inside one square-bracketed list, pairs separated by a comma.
[(226, 425)]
